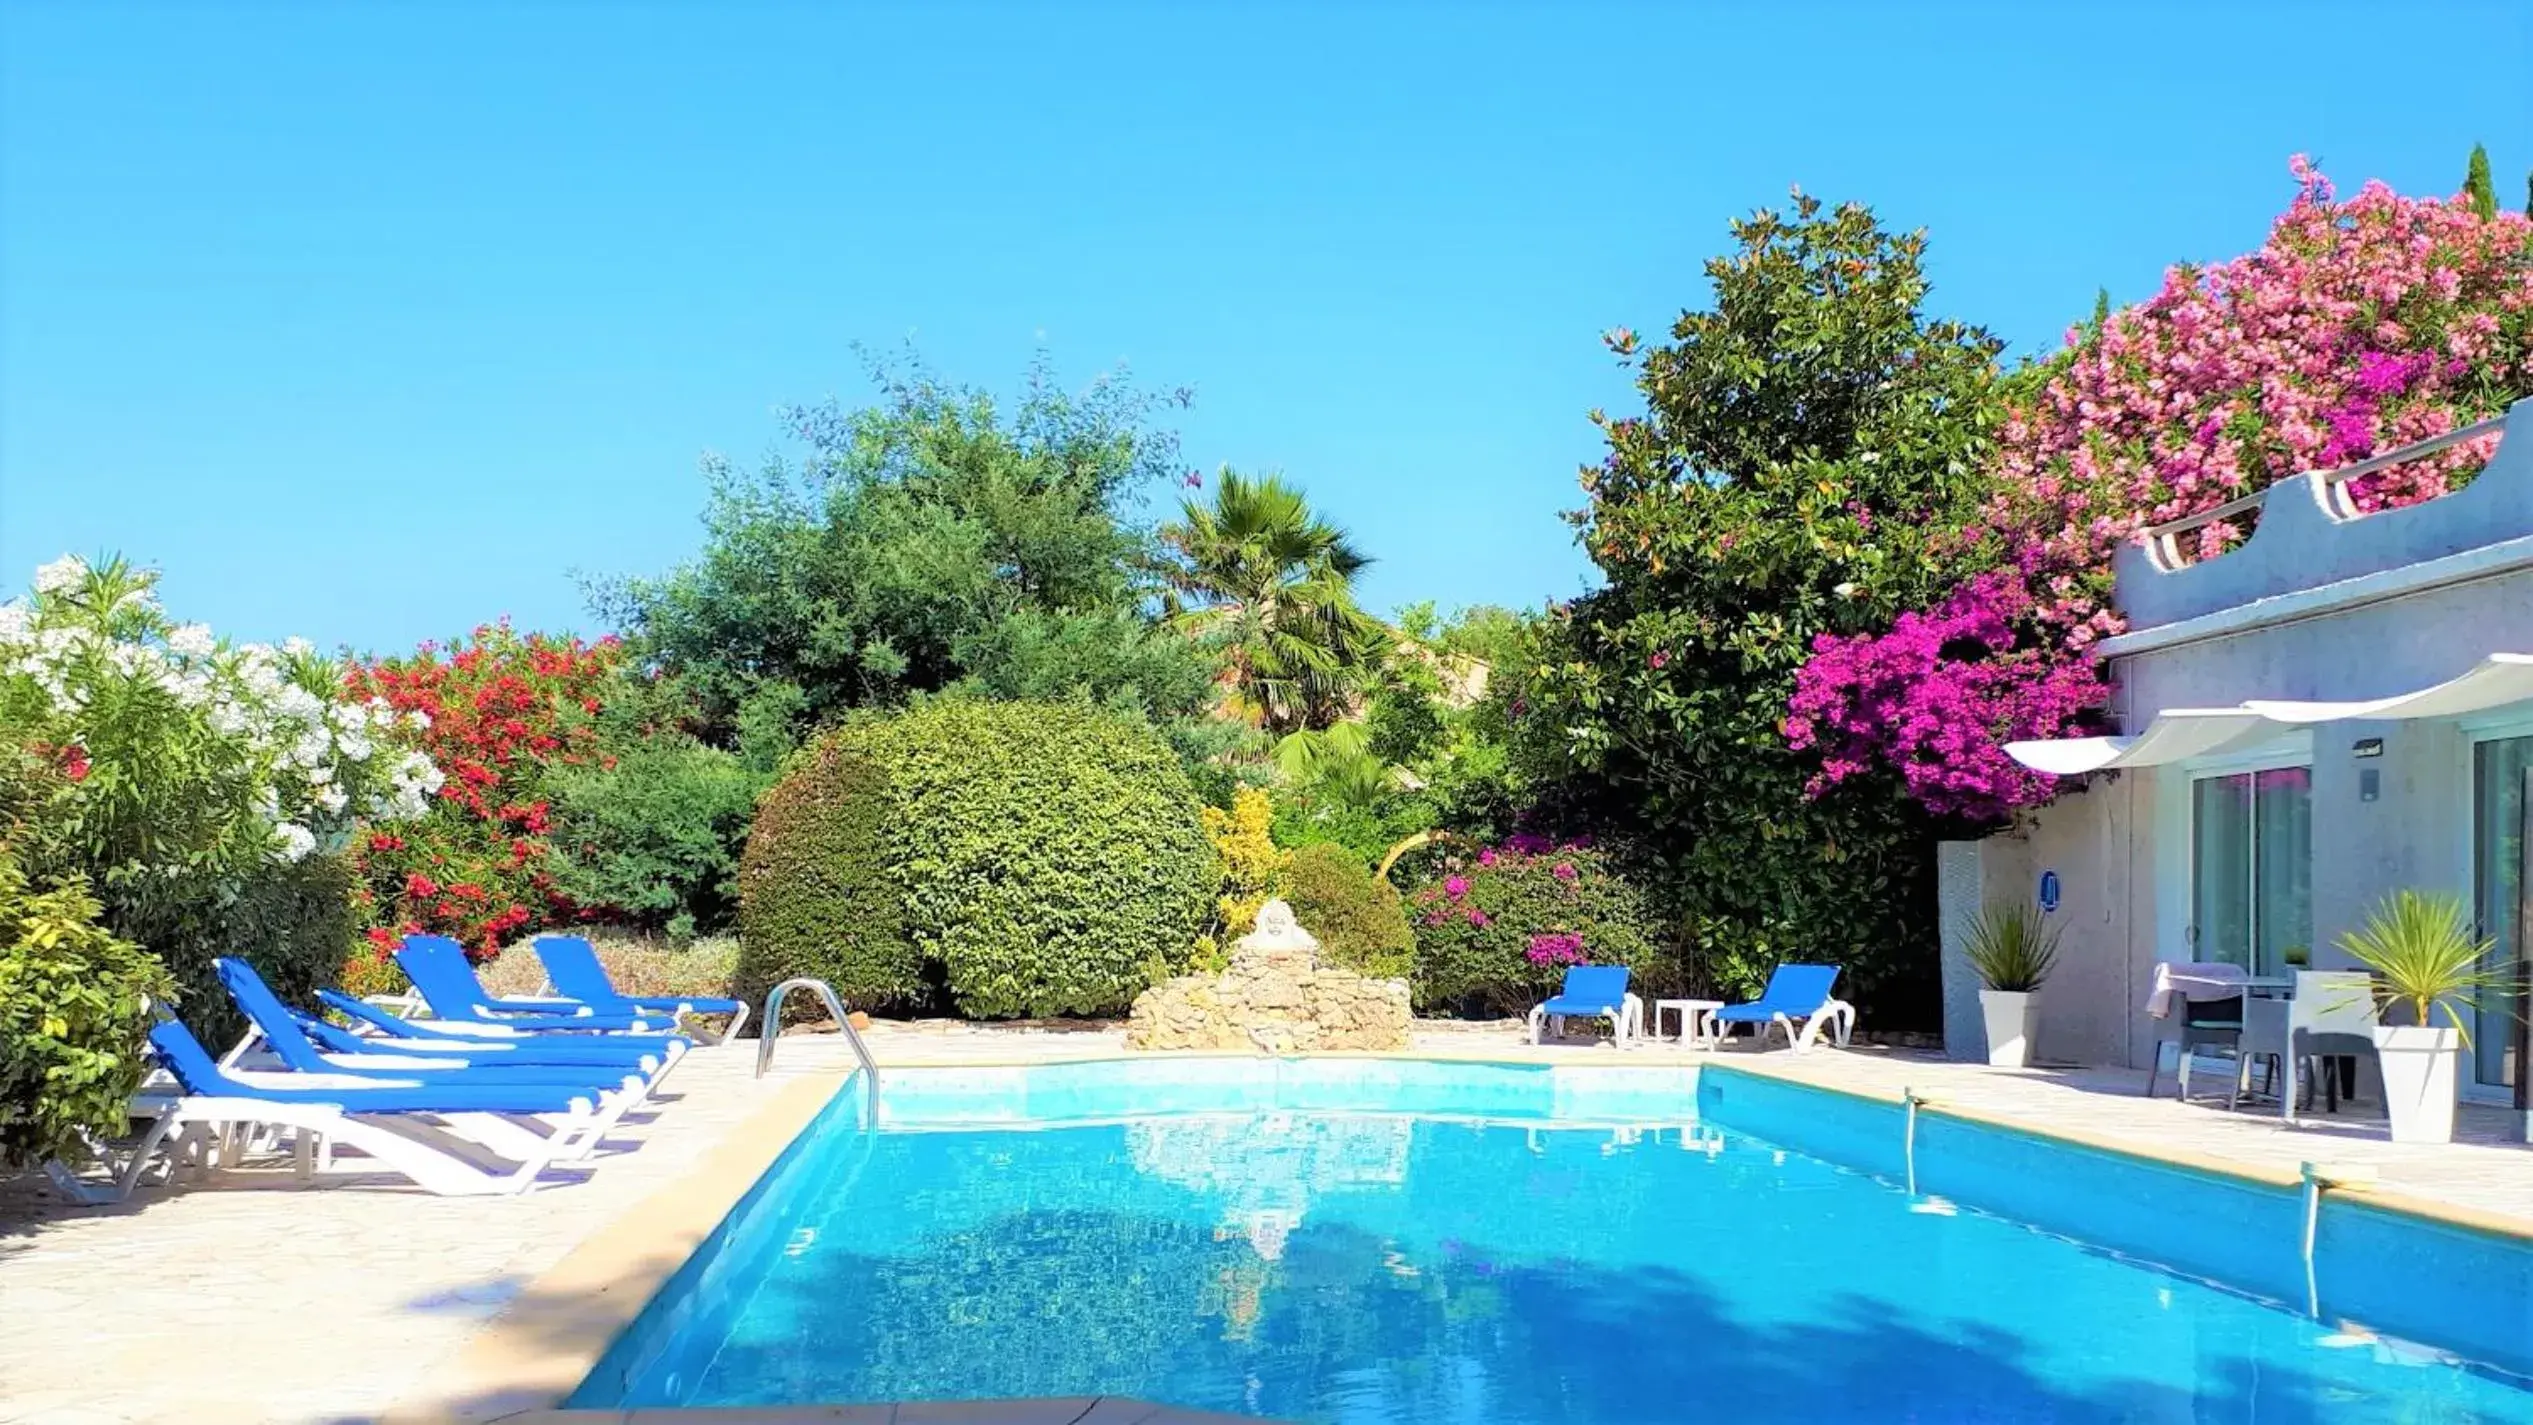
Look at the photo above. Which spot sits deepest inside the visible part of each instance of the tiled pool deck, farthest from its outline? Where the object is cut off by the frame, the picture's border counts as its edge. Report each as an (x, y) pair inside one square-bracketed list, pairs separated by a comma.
[(264, 1302)]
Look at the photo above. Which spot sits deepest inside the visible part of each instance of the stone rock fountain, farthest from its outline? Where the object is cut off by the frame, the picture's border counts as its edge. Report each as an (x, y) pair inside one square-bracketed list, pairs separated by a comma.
[(1277, 997)]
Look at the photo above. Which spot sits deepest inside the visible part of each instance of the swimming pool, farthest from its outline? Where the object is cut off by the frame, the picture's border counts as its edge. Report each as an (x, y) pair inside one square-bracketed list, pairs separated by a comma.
[(1416, 1243)]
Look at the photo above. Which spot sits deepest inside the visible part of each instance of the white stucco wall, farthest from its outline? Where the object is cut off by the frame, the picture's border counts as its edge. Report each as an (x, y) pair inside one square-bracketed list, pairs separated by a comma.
[(2091, 1007)]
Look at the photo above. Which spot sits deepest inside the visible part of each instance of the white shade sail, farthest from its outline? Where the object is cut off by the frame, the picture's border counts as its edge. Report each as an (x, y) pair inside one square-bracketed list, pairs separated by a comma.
[(2495, 681), (2175, 735), (2178, 734)]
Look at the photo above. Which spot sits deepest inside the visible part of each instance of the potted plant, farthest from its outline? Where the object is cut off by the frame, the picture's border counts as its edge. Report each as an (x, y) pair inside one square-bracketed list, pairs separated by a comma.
[(2424, 956), (2012, 948)]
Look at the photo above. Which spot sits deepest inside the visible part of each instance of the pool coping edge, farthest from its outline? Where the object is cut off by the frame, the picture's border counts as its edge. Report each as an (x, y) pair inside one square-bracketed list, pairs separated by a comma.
[(525, 1361), (2382, 1199)]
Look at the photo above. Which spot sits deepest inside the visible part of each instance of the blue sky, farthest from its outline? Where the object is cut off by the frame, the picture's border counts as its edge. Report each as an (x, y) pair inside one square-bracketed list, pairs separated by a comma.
[(368, 323)]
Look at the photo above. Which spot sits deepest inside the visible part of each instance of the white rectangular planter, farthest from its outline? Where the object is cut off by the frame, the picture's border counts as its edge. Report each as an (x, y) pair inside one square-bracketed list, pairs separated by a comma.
[(2418, 1080), (2012, 1018)]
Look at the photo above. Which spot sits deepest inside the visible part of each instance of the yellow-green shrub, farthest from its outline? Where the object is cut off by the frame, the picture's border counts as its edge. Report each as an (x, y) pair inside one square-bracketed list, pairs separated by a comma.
[(74, 1007), (1251, 865)]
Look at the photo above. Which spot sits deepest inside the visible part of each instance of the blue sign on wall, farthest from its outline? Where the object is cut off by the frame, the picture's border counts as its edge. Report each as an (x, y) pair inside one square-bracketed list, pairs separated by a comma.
[(2049, 890)]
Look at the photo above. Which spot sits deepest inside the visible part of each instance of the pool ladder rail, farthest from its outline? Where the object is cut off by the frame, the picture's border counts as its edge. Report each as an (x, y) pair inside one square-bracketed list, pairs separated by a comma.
[(770, 1028)]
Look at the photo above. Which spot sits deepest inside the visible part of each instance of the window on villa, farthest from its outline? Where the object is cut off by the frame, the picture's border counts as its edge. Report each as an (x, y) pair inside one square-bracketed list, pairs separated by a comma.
[(2498, 773), (2251, 872)]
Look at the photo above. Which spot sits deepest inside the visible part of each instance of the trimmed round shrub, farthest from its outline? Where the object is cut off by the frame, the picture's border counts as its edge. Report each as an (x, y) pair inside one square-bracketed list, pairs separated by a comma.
[(1360, 920), (1050, 855), (818, 894), (1496, 929)]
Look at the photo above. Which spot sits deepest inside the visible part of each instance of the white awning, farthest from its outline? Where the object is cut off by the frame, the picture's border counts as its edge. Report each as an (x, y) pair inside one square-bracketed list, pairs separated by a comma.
[(2178, 734), (2174, 736), (2499, 679)]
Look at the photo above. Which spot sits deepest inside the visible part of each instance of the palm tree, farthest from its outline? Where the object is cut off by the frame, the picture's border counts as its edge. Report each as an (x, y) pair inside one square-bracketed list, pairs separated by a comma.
[(1275, 583)]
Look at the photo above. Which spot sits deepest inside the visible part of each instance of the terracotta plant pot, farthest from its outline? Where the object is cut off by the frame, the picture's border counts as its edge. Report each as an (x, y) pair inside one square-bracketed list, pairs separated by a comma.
[(858, 1020)]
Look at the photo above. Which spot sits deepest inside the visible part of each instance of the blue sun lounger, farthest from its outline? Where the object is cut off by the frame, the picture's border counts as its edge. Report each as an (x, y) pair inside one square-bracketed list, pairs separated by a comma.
[(281, 1034), (440, 1133), (437, 966), (548, 1045), (574, 971), (1796, 999), (1589, 991)]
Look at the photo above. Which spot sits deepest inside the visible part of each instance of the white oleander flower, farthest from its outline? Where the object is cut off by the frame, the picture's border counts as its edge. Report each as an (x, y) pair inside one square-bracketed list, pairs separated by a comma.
[(228, 719), (63, 573), (354, 747), (320, 774), (192, 640), (312, 748), (14, 623), (332, 799), (297, 702), (292, 842), (297, 647)]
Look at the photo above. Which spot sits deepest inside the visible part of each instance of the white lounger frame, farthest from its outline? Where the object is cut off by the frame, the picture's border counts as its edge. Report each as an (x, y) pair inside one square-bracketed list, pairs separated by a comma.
[(515, 1136), (458, 1154), (1626, 1026), (1837, 1014)]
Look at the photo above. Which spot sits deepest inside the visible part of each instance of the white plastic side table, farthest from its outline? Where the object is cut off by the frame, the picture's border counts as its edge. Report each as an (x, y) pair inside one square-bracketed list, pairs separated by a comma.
[(1694, 1028)]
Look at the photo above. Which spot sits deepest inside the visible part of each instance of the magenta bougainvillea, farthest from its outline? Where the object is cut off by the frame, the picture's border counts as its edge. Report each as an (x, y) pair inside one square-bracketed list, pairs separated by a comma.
[(2360, 325), (1939, 696), (1551, 947)]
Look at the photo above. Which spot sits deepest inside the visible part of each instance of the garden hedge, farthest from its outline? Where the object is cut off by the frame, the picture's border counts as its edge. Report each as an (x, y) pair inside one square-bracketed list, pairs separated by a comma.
[(1038, 858), (817, 894), (1359, 919)]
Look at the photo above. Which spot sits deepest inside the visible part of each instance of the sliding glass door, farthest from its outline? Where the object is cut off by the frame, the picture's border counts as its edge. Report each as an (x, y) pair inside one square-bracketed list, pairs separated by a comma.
[(2498, 768), (2251, 867)]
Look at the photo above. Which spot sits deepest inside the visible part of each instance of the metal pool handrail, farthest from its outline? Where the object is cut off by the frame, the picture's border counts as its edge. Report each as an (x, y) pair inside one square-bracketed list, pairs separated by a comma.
[(770, 1028)]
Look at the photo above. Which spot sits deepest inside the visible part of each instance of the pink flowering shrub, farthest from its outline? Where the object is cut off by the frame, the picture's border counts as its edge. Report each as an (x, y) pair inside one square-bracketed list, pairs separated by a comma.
[(1496, 927), (1938, 697), (2360, 325)]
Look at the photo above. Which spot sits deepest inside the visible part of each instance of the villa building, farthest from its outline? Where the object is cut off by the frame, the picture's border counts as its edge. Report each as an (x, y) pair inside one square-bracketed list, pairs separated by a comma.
[(2338, 708)]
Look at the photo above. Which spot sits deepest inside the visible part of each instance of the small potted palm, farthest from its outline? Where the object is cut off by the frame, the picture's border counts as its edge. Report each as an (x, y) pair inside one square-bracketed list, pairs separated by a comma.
[(2427, 960), (2012, 947)]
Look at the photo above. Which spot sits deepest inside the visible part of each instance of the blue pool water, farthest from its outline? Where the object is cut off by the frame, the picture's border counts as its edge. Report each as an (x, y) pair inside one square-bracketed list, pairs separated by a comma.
[(1386, 1269)]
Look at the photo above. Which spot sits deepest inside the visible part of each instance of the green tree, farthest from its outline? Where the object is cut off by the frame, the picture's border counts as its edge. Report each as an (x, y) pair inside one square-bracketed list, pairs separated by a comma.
[(1272, 582), (2478, 186), (932, 540), (1806, 444)]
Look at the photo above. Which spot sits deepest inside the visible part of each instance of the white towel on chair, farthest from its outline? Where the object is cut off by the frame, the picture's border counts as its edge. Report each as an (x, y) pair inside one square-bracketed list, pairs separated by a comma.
[(2196, 980)]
